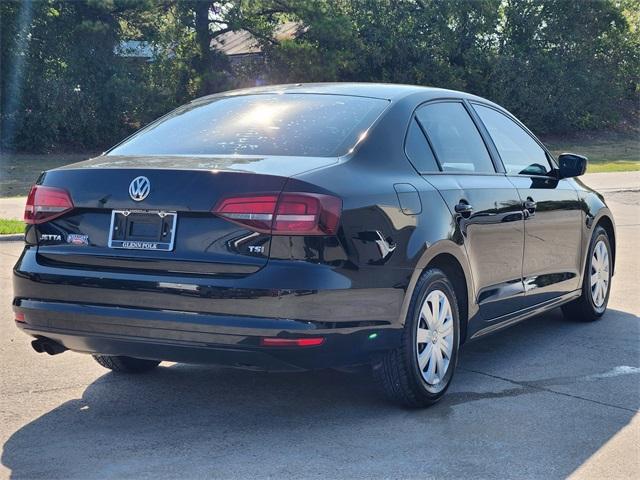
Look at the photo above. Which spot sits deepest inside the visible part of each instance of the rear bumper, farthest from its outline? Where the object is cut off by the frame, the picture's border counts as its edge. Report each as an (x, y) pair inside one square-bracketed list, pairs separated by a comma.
[(212, 320), (297, 290), (199, 338)]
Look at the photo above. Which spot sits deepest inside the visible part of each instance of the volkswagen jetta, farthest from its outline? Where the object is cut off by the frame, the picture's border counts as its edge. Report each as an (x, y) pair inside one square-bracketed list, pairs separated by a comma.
[(311, 226)]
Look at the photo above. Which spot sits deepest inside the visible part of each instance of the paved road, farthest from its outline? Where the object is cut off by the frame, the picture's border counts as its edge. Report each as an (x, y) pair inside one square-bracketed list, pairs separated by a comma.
[(544, 399), (12, 207)]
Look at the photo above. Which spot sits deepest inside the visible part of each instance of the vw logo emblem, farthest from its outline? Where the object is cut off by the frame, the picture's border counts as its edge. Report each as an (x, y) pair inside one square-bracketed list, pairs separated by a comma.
[(139, 188)]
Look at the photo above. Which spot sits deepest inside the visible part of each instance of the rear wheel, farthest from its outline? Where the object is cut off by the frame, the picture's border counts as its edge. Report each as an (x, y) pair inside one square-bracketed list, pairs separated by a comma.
[(596, 284), (418, 373), (126, 364)]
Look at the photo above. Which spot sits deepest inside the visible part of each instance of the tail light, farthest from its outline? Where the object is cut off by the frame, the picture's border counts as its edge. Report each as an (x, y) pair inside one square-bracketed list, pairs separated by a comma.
[(46, 203), (284, 214)]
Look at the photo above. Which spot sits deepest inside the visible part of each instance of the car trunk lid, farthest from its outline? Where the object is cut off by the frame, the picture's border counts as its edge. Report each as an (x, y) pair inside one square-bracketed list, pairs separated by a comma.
[(204, 244)]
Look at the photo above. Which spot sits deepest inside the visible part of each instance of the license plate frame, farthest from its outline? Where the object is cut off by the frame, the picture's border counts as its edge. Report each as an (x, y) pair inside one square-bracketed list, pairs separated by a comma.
[(123, 219)]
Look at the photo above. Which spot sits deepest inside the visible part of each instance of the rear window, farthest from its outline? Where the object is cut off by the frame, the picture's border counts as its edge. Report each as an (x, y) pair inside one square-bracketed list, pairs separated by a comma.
[(266, 124)]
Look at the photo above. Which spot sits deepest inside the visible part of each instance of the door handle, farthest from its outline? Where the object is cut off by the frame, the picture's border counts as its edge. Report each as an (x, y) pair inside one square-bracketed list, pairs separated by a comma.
[(530, 206), (464, 209)]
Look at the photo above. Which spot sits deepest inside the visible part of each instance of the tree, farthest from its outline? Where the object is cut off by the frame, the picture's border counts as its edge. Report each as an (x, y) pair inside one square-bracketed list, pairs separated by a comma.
[(561, 65), (70, 88), (441, 43), (565, 65)]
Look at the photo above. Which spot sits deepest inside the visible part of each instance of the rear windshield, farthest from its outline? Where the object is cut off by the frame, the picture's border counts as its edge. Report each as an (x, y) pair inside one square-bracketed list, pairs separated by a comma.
[(266, 124)]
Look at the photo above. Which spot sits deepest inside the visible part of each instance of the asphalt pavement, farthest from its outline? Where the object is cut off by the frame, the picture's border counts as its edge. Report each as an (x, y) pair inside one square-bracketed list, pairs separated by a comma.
[(546, 399)]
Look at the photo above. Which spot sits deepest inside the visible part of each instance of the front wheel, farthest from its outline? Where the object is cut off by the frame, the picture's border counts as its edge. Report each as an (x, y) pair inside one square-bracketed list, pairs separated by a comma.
[(418, 373), (596, 284)]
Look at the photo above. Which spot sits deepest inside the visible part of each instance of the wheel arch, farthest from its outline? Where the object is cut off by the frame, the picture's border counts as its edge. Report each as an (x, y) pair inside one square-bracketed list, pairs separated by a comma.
[(606, 222), (451, 259), (454, 272)]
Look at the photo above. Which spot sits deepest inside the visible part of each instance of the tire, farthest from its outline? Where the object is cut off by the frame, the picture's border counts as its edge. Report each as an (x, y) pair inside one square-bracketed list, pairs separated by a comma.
[(590, 307), (126, 364), (398, 373)]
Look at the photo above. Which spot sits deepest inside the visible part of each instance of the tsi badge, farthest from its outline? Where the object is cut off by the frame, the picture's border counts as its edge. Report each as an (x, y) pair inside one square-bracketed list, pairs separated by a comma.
[(50, 237), (77, 239)]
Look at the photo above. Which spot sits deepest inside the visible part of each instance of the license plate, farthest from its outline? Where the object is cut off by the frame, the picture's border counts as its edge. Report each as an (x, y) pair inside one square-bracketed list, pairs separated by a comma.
[(142, 230)]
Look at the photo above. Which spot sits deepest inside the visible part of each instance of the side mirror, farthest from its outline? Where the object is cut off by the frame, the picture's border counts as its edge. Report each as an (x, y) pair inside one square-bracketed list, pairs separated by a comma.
[(572, 165)]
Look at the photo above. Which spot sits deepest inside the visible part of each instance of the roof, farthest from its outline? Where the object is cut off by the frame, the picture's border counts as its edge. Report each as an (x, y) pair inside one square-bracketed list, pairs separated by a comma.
[(242, 42), (388, 91)]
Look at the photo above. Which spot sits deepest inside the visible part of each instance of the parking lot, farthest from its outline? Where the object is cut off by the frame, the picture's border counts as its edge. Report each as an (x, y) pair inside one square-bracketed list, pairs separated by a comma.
[(545, 399)]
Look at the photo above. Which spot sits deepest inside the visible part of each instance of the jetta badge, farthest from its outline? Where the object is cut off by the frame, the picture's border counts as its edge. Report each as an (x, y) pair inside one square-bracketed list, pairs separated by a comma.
[(139, 188)]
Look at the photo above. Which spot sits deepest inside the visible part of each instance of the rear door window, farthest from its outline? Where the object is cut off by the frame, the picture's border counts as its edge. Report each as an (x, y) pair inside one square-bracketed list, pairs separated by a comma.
[(313, 125), (457, 143), (519, 152), (419, 151)]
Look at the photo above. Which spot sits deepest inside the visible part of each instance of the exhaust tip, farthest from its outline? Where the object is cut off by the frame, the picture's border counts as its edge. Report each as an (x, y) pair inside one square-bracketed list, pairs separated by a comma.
[(37, 345), (45, 345)]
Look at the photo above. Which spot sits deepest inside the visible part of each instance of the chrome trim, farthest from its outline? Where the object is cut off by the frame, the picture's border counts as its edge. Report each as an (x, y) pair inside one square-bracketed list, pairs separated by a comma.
[(165, 246)]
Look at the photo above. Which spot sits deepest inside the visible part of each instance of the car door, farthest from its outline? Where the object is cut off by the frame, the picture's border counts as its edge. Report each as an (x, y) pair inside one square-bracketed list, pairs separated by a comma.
[(553, 217), (447, 149)]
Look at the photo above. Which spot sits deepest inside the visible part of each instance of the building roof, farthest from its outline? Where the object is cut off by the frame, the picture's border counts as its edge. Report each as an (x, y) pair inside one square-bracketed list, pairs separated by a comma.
[(242, 42)]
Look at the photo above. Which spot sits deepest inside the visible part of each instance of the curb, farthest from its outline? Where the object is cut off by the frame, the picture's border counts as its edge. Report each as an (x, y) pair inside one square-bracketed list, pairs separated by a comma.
[(16, 237)]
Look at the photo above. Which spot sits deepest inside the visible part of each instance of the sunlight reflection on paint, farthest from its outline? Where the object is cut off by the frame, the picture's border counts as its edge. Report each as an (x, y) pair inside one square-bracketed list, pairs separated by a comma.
[(362, 136)]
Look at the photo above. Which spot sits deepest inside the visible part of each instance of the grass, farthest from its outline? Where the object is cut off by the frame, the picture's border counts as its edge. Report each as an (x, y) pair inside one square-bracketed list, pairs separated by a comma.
[(617, 166), (608, 151), (11, 226), (19, 171)]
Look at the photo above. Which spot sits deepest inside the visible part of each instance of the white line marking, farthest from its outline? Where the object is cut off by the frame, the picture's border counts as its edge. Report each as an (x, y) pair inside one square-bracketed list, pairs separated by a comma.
[(614, 372)]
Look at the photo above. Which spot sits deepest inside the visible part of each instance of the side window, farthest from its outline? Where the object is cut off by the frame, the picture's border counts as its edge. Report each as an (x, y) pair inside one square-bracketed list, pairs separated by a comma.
[(419, 151), (520, 153), (457, 143)]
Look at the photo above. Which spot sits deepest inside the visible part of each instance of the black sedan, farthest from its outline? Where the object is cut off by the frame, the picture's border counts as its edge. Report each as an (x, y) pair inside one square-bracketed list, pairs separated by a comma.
[(312, 226)]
